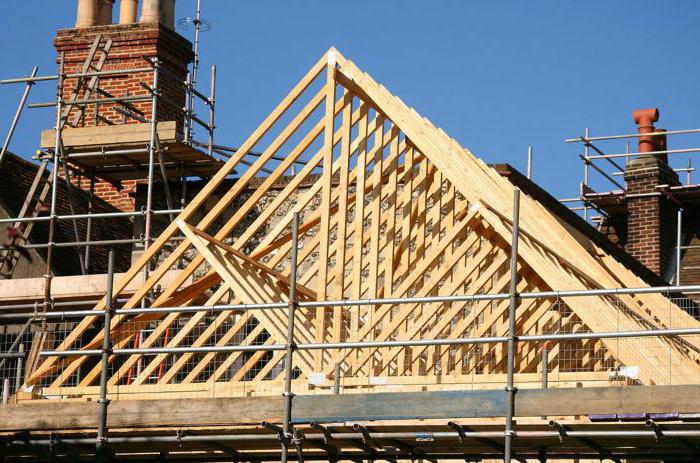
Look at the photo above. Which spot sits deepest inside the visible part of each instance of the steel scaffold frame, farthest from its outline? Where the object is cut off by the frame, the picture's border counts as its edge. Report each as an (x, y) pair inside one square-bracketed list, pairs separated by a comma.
[(288, 436)]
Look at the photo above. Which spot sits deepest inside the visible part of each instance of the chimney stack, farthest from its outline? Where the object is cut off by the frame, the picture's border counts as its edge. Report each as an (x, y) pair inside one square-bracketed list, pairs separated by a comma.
[(651, 216), (130, 41), (127, 11)]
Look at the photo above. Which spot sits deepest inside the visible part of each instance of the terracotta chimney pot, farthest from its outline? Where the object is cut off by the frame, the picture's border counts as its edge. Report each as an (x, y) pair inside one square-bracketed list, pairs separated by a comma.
[(127, 11), (104, 12), (87, 14), (168, 13), (645, 118), (150, 11)]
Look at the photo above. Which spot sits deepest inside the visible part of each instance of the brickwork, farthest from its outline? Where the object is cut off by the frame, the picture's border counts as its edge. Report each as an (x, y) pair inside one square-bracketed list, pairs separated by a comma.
[(121, 198), (690, 258), (615, 229), (651, 224)]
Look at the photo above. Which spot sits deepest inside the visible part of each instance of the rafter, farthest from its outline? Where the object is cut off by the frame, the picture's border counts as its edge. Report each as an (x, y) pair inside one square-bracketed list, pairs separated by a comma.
[(390, 206)]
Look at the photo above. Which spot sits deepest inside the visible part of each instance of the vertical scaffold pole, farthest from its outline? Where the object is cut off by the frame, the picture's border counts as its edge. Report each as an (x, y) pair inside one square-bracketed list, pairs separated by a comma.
[(106, 352), (544, 359), (18, 113), (679, 245), (88, 228), (529, 162), (20, 368), (512, 339), (336, 379), (195, 61), (6, 391), (54, 185), (585, 171), (291, 345), (151, 156), (212, 104), (187, 123)]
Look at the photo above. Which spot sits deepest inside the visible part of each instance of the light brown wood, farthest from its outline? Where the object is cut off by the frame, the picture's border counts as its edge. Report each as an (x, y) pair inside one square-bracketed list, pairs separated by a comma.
[(109, 135), (390, 206)]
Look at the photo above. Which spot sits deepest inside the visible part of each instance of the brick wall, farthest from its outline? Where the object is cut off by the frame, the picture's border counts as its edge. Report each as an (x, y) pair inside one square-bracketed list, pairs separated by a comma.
[(615, 229), (690, 258), (121, 198), (651, 222)]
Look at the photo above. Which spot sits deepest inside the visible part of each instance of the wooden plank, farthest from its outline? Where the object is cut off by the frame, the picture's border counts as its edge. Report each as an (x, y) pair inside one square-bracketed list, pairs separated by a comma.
[(67, 287), (107, 135), (392, 187), (51, 415), (376, 208), (325, 202), (342, 222), (141, 413)]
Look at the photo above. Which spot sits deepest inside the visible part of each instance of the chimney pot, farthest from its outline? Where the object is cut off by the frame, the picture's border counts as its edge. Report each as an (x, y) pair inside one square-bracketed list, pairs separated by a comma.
[(168, 13), (645, 118), (127, 11), (150, 11), (158, 11), (87, 14), (104, 12)]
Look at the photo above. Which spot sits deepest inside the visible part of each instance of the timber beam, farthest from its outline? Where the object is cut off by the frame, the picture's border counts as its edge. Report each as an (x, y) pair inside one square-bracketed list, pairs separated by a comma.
[(58, 415)]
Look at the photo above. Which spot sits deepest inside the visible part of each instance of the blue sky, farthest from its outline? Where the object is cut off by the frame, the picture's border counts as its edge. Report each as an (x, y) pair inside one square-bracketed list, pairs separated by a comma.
[(497, 76)]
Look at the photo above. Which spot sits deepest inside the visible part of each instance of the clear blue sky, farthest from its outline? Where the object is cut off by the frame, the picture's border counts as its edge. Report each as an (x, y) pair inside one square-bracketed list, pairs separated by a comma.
[(497, 76)]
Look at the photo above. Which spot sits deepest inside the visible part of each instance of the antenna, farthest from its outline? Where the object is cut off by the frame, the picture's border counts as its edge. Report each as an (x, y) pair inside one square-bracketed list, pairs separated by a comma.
[(200, 25)]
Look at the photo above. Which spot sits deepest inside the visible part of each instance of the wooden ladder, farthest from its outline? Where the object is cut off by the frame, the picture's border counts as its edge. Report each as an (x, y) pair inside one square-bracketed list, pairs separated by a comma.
[(91, 85), (19, 232)]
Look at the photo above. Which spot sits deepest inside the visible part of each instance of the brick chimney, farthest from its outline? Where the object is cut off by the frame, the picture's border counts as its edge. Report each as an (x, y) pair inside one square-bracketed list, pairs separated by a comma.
[(651, 221), (124, 46), (153, 37)]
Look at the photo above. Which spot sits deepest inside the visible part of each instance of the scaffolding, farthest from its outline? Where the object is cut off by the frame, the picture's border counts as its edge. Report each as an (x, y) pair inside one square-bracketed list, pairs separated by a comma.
[(149, 160), (595, 158), (672, 327), (643, 436)]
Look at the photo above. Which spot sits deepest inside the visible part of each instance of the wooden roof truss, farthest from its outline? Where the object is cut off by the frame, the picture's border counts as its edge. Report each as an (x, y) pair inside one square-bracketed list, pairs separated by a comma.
[(390, 207)]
